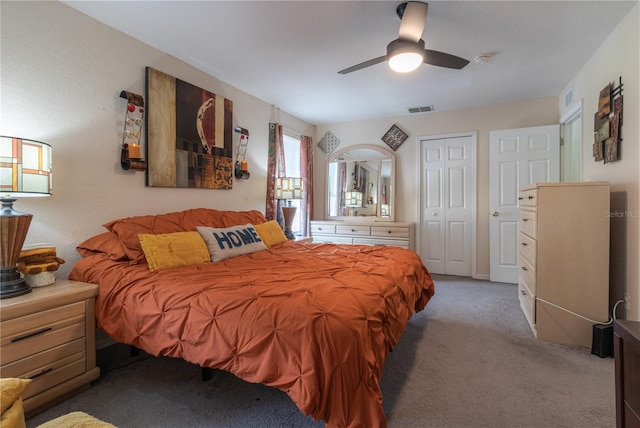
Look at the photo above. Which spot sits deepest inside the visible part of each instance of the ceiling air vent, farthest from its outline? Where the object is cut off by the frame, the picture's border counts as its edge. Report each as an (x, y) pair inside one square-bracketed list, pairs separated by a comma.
[(421, 109)]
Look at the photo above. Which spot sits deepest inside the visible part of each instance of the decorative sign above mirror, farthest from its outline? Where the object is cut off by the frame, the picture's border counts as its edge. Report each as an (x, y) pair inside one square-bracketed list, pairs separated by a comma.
[(360, 184)]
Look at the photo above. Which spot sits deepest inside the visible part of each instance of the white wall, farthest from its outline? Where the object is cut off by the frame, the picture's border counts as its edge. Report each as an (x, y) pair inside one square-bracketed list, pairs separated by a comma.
[(542, 111), (61, 78), (617, 57)]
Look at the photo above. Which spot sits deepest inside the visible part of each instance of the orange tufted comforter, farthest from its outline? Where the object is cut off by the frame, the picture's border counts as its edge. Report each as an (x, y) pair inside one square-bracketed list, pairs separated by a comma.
[(316, 321)]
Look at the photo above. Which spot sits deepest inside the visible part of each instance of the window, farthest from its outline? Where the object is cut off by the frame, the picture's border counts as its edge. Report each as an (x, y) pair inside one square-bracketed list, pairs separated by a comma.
[(292, 168)]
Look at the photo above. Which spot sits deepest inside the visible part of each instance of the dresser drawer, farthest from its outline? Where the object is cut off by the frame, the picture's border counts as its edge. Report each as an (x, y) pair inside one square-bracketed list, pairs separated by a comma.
[(528, 198), (391, 232), (528, 222), (528, 274), (381, 241), (527, 248), (329, 239), (323, 229), (35, 333), (353, 230)]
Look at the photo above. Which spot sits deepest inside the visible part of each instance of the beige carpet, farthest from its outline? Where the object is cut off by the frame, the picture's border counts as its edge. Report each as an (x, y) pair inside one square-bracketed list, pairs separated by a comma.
[(468, 360)]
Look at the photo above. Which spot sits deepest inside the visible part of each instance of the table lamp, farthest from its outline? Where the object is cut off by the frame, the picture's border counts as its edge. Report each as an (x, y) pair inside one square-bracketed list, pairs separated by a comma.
[(288, 188), (25, 171)]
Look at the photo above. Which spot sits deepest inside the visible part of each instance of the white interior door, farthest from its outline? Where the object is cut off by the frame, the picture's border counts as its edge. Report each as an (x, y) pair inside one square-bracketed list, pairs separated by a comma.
[(517, 157), (446, 238)]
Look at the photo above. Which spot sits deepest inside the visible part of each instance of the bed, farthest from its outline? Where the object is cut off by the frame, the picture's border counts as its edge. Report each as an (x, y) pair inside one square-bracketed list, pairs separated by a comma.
[(316, 321)]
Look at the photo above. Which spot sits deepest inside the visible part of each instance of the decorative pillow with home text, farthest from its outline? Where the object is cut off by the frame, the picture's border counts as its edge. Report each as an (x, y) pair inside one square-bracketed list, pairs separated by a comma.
[(224, 243)]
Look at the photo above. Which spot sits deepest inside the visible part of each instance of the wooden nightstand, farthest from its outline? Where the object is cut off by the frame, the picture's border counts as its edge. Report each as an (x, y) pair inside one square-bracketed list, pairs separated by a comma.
[(48, 336)]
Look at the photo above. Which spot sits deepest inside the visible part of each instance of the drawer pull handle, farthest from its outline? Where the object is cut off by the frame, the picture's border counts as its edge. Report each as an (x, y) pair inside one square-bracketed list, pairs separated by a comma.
[(40, 373), (519, 198), (530, 197), (525, 244), (353, 230), (28, 335), (389, 232), (524, 293), (524, 268), (525, 220)]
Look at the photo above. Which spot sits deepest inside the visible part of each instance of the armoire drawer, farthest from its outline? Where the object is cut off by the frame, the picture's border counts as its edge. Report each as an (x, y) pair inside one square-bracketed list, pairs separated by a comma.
[(528, 248), (528, 198), (528, 274), (527, 302), (528, 222)]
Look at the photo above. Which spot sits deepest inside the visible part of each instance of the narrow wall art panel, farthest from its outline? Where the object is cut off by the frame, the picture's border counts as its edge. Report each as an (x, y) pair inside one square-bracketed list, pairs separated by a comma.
[(189, 135)]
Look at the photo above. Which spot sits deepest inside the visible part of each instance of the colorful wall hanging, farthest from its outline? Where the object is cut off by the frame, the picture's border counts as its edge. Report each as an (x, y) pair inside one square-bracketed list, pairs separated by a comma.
[(607, 124), (189, 135)]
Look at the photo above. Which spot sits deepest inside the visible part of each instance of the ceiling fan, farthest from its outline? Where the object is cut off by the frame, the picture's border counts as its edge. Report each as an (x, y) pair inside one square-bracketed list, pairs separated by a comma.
[(407, 52)]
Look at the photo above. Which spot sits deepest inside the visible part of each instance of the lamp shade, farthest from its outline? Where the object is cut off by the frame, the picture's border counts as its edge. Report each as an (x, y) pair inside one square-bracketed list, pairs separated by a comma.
[(25, 168), (288, 188), (353, 199)]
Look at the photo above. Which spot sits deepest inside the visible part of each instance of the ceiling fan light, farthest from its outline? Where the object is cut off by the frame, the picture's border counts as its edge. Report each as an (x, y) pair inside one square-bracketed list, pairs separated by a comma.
[(404, 56), (405, 62)]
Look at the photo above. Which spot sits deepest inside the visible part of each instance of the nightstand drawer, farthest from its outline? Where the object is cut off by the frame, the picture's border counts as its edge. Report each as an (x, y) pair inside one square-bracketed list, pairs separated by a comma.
[(34, 340), (391, 232), (56, 373), (353, 230)]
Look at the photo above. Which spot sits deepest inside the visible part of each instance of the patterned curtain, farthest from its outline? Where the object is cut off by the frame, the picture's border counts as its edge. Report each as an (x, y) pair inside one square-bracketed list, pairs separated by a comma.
[(306, 170), (275, 168)]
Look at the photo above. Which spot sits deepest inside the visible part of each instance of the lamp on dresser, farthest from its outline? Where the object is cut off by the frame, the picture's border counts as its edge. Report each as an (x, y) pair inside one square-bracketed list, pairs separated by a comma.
[(288, 188), (25, 171)]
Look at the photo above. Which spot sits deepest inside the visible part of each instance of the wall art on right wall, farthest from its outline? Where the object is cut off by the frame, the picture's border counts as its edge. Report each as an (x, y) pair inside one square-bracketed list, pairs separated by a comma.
[(607, 124)]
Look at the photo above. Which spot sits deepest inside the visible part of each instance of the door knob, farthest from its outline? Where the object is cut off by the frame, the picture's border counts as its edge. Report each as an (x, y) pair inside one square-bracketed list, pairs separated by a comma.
[(495, 214)]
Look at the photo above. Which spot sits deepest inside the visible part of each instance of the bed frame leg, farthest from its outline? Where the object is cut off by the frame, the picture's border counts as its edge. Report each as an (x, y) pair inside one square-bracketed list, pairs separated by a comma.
[(207, 374), (133, 351)]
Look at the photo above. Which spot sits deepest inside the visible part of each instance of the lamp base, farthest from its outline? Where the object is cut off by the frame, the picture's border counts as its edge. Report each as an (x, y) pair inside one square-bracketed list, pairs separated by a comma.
[(12, 284), (288, 213)]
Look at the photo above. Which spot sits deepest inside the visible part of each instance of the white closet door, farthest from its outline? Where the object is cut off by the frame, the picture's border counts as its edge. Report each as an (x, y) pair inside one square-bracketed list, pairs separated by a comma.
[(447, 200)]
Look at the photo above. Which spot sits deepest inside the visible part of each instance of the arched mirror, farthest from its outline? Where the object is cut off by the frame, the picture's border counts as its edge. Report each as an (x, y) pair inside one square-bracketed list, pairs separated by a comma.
[(360, 183)]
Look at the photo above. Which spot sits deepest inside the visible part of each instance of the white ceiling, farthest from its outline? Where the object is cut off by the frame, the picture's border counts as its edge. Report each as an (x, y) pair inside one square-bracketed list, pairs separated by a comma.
[(288, 53)]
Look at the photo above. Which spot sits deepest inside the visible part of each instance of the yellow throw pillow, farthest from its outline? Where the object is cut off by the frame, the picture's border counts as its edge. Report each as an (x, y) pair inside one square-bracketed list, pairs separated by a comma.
[(171, 250), (271, 233), (10, 390)]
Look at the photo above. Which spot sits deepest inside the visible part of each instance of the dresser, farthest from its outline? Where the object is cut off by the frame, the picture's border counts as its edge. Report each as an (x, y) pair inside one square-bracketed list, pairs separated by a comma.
[(398, 234), (564, 259), (626, 344), (48, 336)]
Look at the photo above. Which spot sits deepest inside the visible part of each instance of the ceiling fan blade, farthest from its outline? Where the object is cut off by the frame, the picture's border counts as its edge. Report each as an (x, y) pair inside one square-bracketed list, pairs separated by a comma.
[(363, 65), (414, 18), (442, 59)]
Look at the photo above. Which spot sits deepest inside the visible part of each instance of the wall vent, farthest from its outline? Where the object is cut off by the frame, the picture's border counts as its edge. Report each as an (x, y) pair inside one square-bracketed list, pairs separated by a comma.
[(421, 109)]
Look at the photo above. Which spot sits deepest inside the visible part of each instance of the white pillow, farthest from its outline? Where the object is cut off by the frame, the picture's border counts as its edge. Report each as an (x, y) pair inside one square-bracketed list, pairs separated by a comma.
[(231, 241)]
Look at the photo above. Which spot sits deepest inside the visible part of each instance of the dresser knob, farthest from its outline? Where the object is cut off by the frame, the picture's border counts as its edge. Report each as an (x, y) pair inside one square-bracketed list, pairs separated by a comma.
[(524, 268), (524, 244)]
